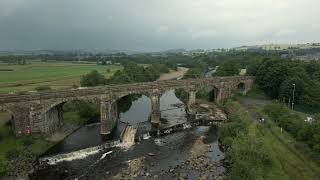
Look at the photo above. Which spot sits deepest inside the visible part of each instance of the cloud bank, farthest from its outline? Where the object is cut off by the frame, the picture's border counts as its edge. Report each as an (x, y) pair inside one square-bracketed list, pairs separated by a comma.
[(155, 25)]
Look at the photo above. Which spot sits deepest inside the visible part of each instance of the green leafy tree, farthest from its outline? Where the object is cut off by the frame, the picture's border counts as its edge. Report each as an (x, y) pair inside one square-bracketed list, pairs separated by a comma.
[(228, 68), (94, 78), (271, 74)]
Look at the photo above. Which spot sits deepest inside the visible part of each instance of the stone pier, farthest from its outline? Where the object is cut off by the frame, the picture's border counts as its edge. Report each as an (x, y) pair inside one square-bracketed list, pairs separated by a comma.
[(191, 101), (155, 109)]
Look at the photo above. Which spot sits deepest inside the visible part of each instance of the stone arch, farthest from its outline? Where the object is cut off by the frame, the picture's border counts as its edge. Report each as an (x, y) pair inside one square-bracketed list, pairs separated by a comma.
[(212, 92), (123, 104), (6, 109), (241, 87), (51, 105), (173, 104), (52, 113)]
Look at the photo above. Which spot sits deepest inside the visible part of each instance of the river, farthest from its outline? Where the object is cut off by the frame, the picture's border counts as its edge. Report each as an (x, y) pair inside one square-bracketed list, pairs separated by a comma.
[(152, 157)]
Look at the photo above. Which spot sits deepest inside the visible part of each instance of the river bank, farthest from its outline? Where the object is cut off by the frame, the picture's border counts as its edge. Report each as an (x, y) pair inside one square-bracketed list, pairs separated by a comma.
[(193, 153)]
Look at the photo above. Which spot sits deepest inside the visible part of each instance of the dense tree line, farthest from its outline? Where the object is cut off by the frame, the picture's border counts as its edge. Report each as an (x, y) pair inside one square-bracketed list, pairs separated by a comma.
[(308, 132), (132, 72), (277, 78)]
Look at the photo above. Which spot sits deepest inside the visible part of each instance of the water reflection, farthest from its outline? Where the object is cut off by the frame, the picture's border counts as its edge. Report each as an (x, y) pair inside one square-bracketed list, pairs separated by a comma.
[(137, 111)]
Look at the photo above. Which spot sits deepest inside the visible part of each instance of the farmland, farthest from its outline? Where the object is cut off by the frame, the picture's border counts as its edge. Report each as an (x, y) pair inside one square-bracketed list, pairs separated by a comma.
[(22, 78)]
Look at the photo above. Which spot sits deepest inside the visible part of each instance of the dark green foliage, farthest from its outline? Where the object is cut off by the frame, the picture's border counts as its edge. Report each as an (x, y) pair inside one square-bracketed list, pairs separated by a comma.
[(250, 157), (295, 125), (119, 77), (276, 78), (207, 94), (253, 67), (228, 68), (132, 72), (232, 130), (85, 110), (43, 88), (270, 75), (27, 141), (94, 78), (182, 95)]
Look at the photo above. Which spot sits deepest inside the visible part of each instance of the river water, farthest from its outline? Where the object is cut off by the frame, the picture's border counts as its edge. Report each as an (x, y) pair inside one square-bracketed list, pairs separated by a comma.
[(166, 151)]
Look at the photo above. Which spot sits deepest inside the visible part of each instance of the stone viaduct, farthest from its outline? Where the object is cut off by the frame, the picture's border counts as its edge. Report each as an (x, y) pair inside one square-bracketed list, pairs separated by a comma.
[(41, 112)]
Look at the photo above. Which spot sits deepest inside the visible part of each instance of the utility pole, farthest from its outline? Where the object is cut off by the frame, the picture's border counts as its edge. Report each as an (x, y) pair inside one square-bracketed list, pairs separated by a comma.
[(294, 89), (289, 103)]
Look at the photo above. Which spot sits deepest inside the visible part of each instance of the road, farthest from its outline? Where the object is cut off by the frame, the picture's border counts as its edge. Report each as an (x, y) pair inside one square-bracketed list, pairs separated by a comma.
[(173, 74)]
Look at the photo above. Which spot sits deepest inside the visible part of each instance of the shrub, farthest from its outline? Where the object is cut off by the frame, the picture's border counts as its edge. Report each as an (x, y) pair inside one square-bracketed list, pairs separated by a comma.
[(27, 141)]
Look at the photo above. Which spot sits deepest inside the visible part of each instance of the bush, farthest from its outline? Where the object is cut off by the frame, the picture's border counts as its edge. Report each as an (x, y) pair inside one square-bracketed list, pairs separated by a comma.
[(43, 88), (94, 78), (250, 158), (295, 125), (85, 110), (3, 168), (27, 141)]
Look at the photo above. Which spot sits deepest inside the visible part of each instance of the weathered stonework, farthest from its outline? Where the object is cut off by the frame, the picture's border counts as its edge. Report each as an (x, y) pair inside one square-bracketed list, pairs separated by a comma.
[(42, 112)]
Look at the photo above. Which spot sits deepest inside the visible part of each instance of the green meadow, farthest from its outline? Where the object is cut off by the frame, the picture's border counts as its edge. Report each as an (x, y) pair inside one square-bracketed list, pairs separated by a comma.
[(22, 78)]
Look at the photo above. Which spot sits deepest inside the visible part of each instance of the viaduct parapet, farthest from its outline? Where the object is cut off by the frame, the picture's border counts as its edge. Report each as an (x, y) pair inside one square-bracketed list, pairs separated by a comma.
[(42, 113)]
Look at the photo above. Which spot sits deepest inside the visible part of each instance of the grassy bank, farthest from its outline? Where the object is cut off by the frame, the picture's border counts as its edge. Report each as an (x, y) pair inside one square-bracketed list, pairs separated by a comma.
[(16, 153), (261, 151)]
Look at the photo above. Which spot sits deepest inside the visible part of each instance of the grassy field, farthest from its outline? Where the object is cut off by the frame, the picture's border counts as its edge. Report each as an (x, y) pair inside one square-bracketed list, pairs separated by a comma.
[(19, 78), (293, 159)]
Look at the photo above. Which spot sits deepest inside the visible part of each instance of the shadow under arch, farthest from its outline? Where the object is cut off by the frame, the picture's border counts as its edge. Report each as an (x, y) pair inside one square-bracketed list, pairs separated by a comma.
[(209, 93), (173, 107), (73, 111), (133, 108), (241, 87)]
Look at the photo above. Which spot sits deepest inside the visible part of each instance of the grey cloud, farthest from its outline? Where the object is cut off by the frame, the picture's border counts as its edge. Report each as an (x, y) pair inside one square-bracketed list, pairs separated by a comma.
[(155, 24)]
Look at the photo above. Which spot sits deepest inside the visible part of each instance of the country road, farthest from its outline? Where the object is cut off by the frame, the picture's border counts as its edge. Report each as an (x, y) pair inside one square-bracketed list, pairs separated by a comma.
[(173, 74)]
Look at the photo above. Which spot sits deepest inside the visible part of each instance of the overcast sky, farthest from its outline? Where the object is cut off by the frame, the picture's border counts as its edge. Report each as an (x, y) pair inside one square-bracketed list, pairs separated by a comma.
[(150, 25)]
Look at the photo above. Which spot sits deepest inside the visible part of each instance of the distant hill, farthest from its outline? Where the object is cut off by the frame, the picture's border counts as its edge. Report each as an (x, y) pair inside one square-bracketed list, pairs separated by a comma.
[(280, 46)]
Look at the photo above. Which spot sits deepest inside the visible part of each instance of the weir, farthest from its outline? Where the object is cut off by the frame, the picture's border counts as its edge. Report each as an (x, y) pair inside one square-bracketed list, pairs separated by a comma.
[(129, 134)]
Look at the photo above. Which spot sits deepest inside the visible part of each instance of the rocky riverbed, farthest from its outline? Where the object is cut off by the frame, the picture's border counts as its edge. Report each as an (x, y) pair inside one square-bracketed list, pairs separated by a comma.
[(198, 166), (190, 154)]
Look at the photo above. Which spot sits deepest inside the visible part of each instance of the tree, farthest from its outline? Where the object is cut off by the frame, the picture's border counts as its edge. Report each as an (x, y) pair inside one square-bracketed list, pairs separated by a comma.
[(270, 75), (119, 77), (286, 89), (228, 68), (94, 78), (253, 67)]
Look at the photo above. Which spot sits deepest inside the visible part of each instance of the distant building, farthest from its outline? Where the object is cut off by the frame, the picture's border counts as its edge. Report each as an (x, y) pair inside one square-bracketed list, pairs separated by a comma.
[(308, 57)]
